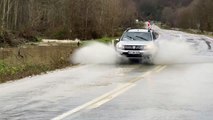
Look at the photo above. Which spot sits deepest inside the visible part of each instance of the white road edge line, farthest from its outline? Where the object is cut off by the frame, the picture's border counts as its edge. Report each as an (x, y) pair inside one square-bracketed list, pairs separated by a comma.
[(97, 102)]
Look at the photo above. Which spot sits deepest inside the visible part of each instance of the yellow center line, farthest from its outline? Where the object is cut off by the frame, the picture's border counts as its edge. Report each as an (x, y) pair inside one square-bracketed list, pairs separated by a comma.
[(97, 102), (161, 68), (77, 109), (139, 78), (110, 97), (157, 68)]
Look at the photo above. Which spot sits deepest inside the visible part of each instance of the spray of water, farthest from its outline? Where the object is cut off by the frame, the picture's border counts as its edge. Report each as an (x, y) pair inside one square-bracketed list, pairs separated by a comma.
[(171, 52), (95, 53), (173, 48)]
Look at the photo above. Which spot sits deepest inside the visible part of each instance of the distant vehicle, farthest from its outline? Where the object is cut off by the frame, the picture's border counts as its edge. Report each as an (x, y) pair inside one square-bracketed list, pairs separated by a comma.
[(138, 44)]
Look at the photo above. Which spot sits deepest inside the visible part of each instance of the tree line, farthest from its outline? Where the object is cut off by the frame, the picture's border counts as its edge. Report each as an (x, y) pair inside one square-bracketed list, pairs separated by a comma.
[(197, 15), (83, 19), (86, 19)]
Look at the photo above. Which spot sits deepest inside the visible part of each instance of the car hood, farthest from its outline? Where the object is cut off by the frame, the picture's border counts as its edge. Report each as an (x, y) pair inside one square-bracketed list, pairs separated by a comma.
[(135, 42)]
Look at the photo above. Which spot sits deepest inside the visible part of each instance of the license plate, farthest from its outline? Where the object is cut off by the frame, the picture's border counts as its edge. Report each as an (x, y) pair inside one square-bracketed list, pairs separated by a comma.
[(134, 52)]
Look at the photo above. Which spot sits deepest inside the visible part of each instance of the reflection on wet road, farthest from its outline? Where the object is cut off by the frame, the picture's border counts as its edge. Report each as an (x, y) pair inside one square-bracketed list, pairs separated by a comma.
[(179, 92), (45, 96)]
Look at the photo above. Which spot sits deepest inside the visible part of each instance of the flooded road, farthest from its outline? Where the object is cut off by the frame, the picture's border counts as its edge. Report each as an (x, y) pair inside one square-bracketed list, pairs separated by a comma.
[(177, 87), (44, 97), (179, 92)]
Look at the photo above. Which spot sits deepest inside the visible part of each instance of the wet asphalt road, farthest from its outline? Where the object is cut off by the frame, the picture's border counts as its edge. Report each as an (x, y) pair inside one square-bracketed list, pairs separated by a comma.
[(46, 96), (170, 92), (181, 91)]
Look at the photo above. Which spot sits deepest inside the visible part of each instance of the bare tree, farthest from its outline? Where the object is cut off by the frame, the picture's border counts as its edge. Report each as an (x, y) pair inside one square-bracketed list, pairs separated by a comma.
[(70, 18)]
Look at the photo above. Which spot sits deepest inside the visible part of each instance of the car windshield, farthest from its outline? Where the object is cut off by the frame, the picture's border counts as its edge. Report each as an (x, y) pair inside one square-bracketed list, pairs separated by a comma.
[(137, 36)]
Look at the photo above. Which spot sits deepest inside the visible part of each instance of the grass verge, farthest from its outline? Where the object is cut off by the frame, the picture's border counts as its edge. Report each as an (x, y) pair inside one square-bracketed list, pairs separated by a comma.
[(20, 62), (105, 40), (16, 63)]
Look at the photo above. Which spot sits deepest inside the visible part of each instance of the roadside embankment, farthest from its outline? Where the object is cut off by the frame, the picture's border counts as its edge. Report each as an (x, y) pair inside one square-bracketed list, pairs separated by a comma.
[(19, 62), (38, 57)]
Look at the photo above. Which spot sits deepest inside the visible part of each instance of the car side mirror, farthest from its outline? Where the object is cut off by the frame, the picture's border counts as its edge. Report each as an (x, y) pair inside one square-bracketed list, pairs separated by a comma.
[(117, 40)]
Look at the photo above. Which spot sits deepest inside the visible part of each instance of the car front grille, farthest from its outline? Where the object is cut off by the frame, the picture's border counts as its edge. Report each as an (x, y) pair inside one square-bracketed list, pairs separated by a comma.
[(133, 47), (130, 55)]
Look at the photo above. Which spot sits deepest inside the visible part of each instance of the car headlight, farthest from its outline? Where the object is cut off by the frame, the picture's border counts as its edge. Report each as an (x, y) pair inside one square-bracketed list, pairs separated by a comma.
[(149, 47), (120, 46)]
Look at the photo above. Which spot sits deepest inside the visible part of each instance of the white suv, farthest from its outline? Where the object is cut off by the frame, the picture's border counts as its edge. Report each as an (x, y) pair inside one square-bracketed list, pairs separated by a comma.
[(138, 44)]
